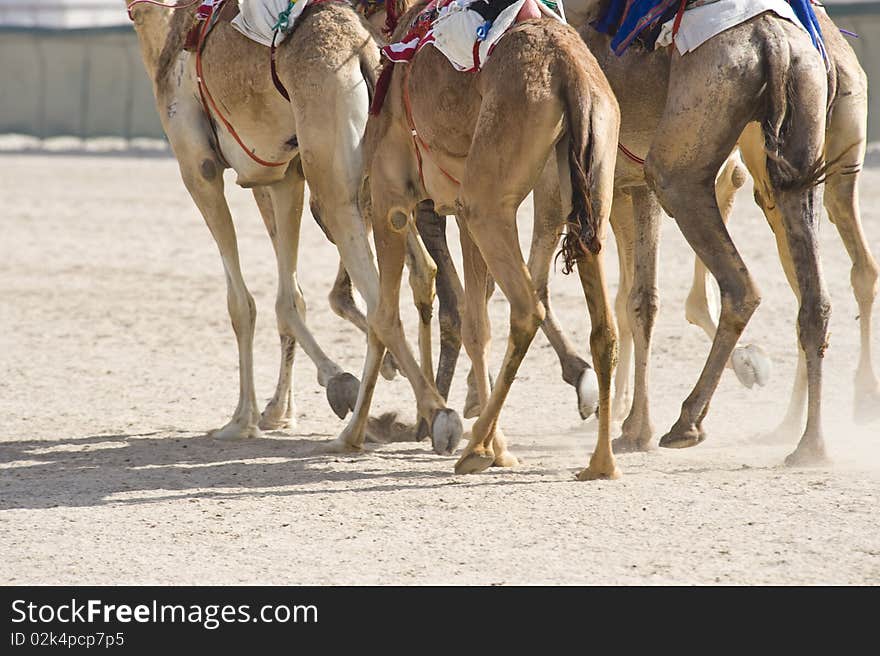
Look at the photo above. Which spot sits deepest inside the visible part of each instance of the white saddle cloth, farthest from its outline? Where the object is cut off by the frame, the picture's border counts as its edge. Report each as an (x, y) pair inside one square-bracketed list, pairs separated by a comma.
[(700, 24), (256, 19)]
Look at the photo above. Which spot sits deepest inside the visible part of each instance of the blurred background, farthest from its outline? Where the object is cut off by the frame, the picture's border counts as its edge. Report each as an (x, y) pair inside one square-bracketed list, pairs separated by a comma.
[(72, 68)]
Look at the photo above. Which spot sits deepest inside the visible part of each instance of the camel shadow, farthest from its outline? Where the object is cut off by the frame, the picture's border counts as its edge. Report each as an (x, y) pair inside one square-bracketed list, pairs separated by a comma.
[(123, 469)]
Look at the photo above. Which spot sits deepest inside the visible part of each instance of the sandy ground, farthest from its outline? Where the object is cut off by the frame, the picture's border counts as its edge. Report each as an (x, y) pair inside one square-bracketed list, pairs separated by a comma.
[(116, 356)]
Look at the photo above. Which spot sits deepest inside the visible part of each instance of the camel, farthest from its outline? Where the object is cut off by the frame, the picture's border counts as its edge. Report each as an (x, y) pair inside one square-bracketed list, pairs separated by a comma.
[(327, 66), (470, 163), (845, 143), (749, 85), (654, 88)]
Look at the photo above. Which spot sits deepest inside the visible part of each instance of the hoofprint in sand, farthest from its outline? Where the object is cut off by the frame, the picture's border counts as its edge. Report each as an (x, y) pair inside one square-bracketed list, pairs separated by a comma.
[(116, 356)]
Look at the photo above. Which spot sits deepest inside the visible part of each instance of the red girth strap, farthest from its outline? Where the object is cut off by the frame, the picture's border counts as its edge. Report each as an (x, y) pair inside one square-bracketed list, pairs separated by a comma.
[(272, 69), (417, 140), (630, 155), (678, 16)]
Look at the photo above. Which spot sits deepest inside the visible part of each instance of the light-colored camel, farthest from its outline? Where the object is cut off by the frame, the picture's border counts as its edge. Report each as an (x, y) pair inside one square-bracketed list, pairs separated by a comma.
[(475, 165), (327, 65)]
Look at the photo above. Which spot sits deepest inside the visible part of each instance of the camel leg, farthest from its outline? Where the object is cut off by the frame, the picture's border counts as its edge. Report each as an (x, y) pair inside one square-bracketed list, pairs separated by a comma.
[(281, 208), (490, 246), (487, 445), (393, 203), (846, 138), (432, 229), (203, 177), (591, 271), (749, 362), (800, 220), (604, 348), (799, 258), (624, 235), (545, 239), (689, 148), (472, 405), (422, 272), (384, 317), (343, 305), (642, 305)]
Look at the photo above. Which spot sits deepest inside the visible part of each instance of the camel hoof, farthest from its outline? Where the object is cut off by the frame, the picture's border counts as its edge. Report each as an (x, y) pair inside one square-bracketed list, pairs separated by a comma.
[(810, 455), (337, 446), (867, 406), (389, 367), (446, 431), (471, 404), (588, 394), (682, 439), (751, 365), (505, 459), (631, 445), (472, 408), (599, 474), (274, 418), (235, 430), (342, 392), (474, 463)]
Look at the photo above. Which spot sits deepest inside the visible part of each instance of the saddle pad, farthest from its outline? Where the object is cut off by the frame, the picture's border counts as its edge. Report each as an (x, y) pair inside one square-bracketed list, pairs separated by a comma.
[(701, 23), (257, 19), (454, 32)]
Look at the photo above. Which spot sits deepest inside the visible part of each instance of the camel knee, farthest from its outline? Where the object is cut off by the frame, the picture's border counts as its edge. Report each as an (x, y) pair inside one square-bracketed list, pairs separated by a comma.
[(864, 276), (287, 306), (813, 318), (604, 347), (242, 311), (738, 304), (525, 319), (642, 308)]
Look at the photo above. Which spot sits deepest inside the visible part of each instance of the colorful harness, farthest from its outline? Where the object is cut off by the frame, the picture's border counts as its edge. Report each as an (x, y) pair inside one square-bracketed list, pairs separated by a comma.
[(207, 15)]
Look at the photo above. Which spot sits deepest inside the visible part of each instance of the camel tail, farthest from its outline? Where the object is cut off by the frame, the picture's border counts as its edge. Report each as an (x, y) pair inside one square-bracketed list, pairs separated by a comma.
[(791, 93), (582, 235)]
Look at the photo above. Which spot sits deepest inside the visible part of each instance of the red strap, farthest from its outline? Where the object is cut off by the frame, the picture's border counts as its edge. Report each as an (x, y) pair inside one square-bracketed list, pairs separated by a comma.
[(678, 17), (630, 155), (272, 69), (207, 98), (415, 137)]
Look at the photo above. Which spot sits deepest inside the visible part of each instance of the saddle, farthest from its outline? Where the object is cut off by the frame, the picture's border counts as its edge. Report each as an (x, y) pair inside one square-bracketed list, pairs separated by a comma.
[(228, 10)]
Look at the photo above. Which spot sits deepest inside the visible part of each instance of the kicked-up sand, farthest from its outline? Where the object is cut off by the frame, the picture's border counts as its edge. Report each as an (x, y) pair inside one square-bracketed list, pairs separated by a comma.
[(117, 355)]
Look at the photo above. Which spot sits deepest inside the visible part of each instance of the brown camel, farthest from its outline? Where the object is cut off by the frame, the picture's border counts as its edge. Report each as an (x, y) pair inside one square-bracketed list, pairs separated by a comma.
[(327, 66), (469, 161), (845, 143), (688, 112), (686, 151)]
